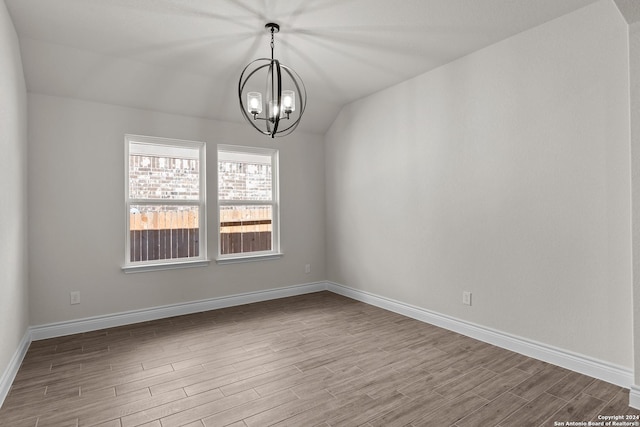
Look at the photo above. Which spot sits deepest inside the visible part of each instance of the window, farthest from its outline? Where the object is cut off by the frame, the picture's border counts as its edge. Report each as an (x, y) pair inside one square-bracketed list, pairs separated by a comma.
[(165, 203), (247, 203)]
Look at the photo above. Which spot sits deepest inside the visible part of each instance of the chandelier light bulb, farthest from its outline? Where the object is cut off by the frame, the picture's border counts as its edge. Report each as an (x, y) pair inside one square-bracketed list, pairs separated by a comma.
[(288, 101), (254, 100), (273, 110)]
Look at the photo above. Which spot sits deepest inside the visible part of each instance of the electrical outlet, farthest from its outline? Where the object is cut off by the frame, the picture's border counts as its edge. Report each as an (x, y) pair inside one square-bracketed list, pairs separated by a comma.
[(466, 297), (75, 297), (307, 268)]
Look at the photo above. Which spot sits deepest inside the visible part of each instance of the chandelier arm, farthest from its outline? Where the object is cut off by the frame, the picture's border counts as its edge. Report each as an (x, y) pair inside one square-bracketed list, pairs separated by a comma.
[(295, 77), (303, 100), (242, 84), (278, 89), (269, 96)]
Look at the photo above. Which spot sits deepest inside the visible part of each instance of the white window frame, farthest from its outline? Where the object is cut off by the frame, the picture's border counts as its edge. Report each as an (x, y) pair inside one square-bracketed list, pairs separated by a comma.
[(275, 252), (201, 203)]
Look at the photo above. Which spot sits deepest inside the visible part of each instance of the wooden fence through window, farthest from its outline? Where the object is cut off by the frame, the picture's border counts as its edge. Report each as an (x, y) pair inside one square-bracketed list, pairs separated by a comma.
[(149, 245), (171, 235), (237, 241)]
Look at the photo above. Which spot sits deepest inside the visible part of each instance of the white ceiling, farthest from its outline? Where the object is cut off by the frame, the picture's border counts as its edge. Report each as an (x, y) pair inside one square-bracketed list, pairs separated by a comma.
[(185, 56)]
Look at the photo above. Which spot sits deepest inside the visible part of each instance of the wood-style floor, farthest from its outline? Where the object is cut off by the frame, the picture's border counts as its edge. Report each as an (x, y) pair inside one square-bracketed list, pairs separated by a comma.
[(317, 359)]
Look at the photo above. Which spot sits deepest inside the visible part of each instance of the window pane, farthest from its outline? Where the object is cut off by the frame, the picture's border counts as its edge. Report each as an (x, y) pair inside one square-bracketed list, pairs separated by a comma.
[(245, 229), (163, 232), (163, 172), (246, 178)]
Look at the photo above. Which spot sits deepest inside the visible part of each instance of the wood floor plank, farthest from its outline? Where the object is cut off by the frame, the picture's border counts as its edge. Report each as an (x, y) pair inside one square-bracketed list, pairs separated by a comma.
[(493, 412), (310, 377), (27, 421), (248, 410), (369, 362), (533, 366), (430, 382), (158, 379), (356, 384), (619, 404), (452, 411), (572, 384), (208, 356), (475, 358), (51, 403), (504, 361), (207, 409), (117, 411), (165, 410), (583, 406), (306, 389), (539, 382), (501, 383), (24, 397), (68, 413), (447, 359), (286, 410), (465, 383), (318, 414), (369, 410), (217, 356), (90, 382), (411, 411), (390, 383), (534, 413), (310, 360), (112, 423), (602, 390), (155, 424), (199, 383), (260, 379), (264, 358)]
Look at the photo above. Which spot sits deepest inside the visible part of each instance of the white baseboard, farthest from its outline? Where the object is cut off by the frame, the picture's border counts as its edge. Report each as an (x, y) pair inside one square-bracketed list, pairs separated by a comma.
[(599, 369), (634, 397), (10, 372), (136, 316), (576, 362)]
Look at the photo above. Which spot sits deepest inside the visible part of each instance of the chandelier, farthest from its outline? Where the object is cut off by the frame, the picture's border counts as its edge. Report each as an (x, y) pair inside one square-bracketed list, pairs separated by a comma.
[(283, 108)]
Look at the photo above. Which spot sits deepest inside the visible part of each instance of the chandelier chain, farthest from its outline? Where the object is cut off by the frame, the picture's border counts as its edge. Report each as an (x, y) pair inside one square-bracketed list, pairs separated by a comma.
[(272, 43)]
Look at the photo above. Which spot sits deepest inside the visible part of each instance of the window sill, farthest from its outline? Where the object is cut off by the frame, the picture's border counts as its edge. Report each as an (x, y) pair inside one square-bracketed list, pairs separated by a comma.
[(164, 266), (249, 258)]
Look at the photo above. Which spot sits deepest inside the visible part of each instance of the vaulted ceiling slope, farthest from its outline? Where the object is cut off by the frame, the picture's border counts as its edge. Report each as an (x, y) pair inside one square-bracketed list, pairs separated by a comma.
[(185, 57), (630, 9)]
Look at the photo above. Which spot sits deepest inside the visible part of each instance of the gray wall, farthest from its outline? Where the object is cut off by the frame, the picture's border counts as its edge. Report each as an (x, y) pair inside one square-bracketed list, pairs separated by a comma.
[(13, 185), (505, 173), (76, 214)]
